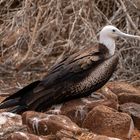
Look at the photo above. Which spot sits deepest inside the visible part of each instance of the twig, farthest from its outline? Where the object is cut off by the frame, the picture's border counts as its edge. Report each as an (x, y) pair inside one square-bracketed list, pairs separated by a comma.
[(32, 40), (129, 18)]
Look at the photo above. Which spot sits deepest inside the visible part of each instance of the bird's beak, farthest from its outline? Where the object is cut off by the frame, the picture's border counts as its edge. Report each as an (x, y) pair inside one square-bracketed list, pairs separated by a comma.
[(128, 35)]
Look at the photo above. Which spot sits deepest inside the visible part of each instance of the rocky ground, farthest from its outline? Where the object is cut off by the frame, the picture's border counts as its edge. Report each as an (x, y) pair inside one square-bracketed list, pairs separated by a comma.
[(112, 113)]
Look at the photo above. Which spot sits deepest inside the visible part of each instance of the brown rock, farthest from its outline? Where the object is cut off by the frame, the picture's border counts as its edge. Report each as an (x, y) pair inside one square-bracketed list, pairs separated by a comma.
[(128, 97), (41, 123), (27, 136), (9, 122), (108, 93), (107, 121), (134, 110), (32, 114), (121, 87), (1, 99), (77, 109), (136, 135), (98, 137), (65, 135)]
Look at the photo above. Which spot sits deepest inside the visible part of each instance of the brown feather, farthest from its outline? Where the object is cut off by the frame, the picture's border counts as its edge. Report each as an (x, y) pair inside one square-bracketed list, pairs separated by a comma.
[(74, 76)]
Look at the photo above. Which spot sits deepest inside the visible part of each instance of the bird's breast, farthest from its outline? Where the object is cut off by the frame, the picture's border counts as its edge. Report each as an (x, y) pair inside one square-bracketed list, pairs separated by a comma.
[(96, 77)]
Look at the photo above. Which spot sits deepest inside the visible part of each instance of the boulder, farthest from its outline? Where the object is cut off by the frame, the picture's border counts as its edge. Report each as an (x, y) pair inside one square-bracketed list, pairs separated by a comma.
[(99, 137), (27, 136), (128, 97), (31, 114), (9, 122), (1, 97), (118, 87), (77, 109), (107, 121), (41, 123), (85, 135), (132, 109), (136, 135), (108, 94)]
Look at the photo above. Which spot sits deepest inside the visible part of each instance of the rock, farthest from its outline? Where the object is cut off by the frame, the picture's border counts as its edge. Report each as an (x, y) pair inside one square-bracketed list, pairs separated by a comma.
[(108, 93), (41, 123), (77, 109), (107, 121), (1, 99), (27, 136), (136, 135), (65, 135), (128, 97), (98, 137), (32, 114), (9, 122), (134, 110), (121, 87)]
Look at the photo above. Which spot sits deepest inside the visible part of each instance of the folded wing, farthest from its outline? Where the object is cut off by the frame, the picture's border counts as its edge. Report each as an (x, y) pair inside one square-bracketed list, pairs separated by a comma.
[(64, 80)]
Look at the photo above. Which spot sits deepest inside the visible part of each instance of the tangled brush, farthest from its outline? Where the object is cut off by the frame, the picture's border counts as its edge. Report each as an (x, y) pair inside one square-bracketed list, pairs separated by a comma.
[(34, 34)]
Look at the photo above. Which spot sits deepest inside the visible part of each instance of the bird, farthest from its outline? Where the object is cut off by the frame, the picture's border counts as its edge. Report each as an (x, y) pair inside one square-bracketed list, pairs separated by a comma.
[(75, 76)]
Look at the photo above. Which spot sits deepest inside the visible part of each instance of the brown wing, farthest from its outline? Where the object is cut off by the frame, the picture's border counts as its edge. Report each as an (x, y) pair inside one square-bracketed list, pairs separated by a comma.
[(49, 89), (76, 63)]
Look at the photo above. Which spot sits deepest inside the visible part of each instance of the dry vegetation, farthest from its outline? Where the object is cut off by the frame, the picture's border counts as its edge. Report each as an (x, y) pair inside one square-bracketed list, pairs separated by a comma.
[(34, 34)]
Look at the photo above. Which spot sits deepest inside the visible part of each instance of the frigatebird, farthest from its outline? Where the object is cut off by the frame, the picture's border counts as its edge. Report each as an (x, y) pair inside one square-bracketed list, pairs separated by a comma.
[(76, 76)]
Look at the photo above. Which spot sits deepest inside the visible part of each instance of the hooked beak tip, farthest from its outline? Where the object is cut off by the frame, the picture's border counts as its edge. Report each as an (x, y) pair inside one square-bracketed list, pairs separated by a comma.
[(129, 35)]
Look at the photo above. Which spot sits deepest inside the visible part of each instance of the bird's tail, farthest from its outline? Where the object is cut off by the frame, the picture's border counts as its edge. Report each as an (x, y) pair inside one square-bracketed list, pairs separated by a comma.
[(16, 103)]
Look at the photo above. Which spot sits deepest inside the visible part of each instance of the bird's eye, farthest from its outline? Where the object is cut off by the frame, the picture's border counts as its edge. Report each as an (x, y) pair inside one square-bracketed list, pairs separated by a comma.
[(113, 30)]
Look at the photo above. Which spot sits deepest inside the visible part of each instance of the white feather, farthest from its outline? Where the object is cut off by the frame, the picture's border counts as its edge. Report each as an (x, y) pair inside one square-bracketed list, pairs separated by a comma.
[(109, 34)]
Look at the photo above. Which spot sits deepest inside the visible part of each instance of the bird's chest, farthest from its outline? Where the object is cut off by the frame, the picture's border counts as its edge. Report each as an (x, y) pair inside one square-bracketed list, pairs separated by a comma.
[(93, 80)]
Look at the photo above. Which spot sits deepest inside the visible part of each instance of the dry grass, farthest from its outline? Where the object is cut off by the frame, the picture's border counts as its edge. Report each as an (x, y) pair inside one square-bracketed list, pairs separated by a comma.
[(34, 34)]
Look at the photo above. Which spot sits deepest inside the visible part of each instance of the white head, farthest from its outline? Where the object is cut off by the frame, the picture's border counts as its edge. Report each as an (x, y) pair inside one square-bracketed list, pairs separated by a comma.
[(109, 34)]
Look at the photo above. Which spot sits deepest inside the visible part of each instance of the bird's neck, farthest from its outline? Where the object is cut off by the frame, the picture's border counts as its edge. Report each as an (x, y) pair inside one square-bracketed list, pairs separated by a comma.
[(109, 43)]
